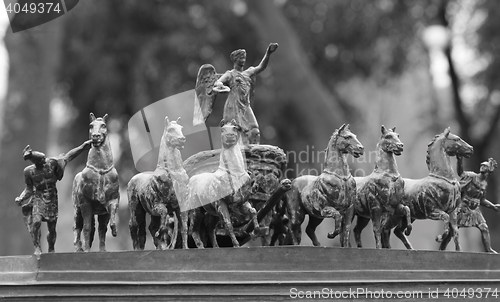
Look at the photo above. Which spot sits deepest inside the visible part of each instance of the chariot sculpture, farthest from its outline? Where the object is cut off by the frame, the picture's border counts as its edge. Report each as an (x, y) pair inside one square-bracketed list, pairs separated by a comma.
[(225, 197)]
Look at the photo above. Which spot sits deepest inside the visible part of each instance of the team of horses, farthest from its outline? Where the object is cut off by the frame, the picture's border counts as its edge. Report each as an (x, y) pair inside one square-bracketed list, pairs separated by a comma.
[(199, 205)]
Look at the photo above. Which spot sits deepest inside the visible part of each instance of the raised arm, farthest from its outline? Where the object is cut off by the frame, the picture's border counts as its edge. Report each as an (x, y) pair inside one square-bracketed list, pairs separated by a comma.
[(265, 60), (28, 191), (73, 153), (488, 204)]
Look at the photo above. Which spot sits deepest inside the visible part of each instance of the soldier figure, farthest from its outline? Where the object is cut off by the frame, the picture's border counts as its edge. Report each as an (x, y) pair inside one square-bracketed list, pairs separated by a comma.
[(473, 190), (41, 192)]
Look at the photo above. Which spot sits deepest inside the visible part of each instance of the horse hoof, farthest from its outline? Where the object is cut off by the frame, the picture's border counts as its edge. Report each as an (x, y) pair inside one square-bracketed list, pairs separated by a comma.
[(439, 238), (408, 230), (37, 252), (79, 250), (332, 235)]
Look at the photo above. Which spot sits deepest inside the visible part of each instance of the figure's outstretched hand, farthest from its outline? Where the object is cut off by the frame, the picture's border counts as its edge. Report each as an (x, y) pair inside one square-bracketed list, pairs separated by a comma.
[(497, 207), (272, 48), (87, 145)]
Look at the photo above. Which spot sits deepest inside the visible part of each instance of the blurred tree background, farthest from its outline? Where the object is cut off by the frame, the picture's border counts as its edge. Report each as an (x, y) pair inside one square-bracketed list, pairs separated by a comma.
[(417, 65)]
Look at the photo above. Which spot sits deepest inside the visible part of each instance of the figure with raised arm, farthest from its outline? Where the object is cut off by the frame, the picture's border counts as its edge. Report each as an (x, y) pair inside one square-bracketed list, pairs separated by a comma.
[(473, 191), (240, 83), (39, 199)]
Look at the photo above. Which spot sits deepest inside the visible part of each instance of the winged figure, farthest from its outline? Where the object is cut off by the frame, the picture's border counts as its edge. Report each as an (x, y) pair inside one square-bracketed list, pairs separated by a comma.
[(239, 84)]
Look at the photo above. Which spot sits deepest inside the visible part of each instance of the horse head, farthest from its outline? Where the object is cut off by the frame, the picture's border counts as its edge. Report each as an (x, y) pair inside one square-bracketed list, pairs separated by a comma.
[(98, 130), (173, 132), (230, 133), (346, 142), (389, 141), (455, 146)]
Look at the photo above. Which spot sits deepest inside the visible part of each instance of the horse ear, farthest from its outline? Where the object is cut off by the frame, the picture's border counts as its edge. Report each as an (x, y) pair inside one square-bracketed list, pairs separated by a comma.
[(383, 129), (92, 117), (342, 127), (446, 132), (166, 120), (105, 118), (394, 129), (179, 120), (222, 122)]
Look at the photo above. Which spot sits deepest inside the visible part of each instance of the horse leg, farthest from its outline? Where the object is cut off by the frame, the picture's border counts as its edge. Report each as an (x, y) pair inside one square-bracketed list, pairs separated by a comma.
[(361, 223), (52, 235), (297, 215), (154, 226), (311, 229), (112, 209), (103, 228), (86, 211), (454, 228), (391, 223), (248, 209), (438, 214), (485, 236), (212, 230), (194, 218), (36, 233), (226, 218), (172, 232), (77, 230), (346, 226), (376, 217), (409, 221), (161, 209), (399, 232), (338, 223), (184, 227)]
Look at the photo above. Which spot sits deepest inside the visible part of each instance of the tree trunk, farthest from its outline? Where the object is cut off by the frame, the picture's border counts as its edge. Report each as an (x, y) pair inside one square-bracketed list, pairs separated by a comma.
[(306, 97)]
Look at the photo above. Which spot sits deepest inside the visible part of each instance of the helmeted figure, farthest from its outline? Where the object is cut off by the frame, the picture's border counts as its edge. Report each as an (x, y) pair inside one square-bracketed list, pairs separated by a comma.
[(473, 191), (41, 192)]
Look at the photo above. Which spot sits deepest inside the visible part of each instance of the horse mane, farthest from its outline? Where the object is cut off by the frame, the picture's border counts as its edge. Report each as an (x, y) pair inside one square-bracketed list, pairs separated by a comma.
[(429, 145), (333, 138)]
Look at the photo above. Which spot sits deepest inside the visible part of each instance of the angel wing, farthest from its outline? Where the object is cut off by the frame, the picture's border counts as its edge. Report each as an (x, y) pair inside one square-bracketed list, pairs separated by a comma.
[(204, 93)]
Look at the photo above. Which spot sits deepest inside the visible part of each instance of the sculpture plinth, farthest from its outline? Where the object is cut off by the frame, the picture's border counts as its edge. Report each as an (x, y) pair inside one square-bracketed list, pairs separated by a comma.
[(244, 274)]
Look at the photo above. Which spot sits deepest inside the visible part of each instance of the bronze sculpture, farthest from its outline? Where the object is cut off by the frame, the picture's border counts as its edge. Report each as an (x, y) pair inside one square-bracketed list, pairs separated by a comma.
[(329, 195), (473, 190), (41, 192), (224, 191), (159, 192), (96, 189), (379, 194), (266, 166), (239, 82), (436, 196)]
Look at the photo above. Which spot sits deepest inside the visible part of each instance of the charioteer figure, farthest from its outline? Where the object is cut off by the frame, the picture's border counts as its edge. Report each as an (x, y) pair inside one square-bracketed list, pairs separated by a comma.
[(473, 191), (39, 200)]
